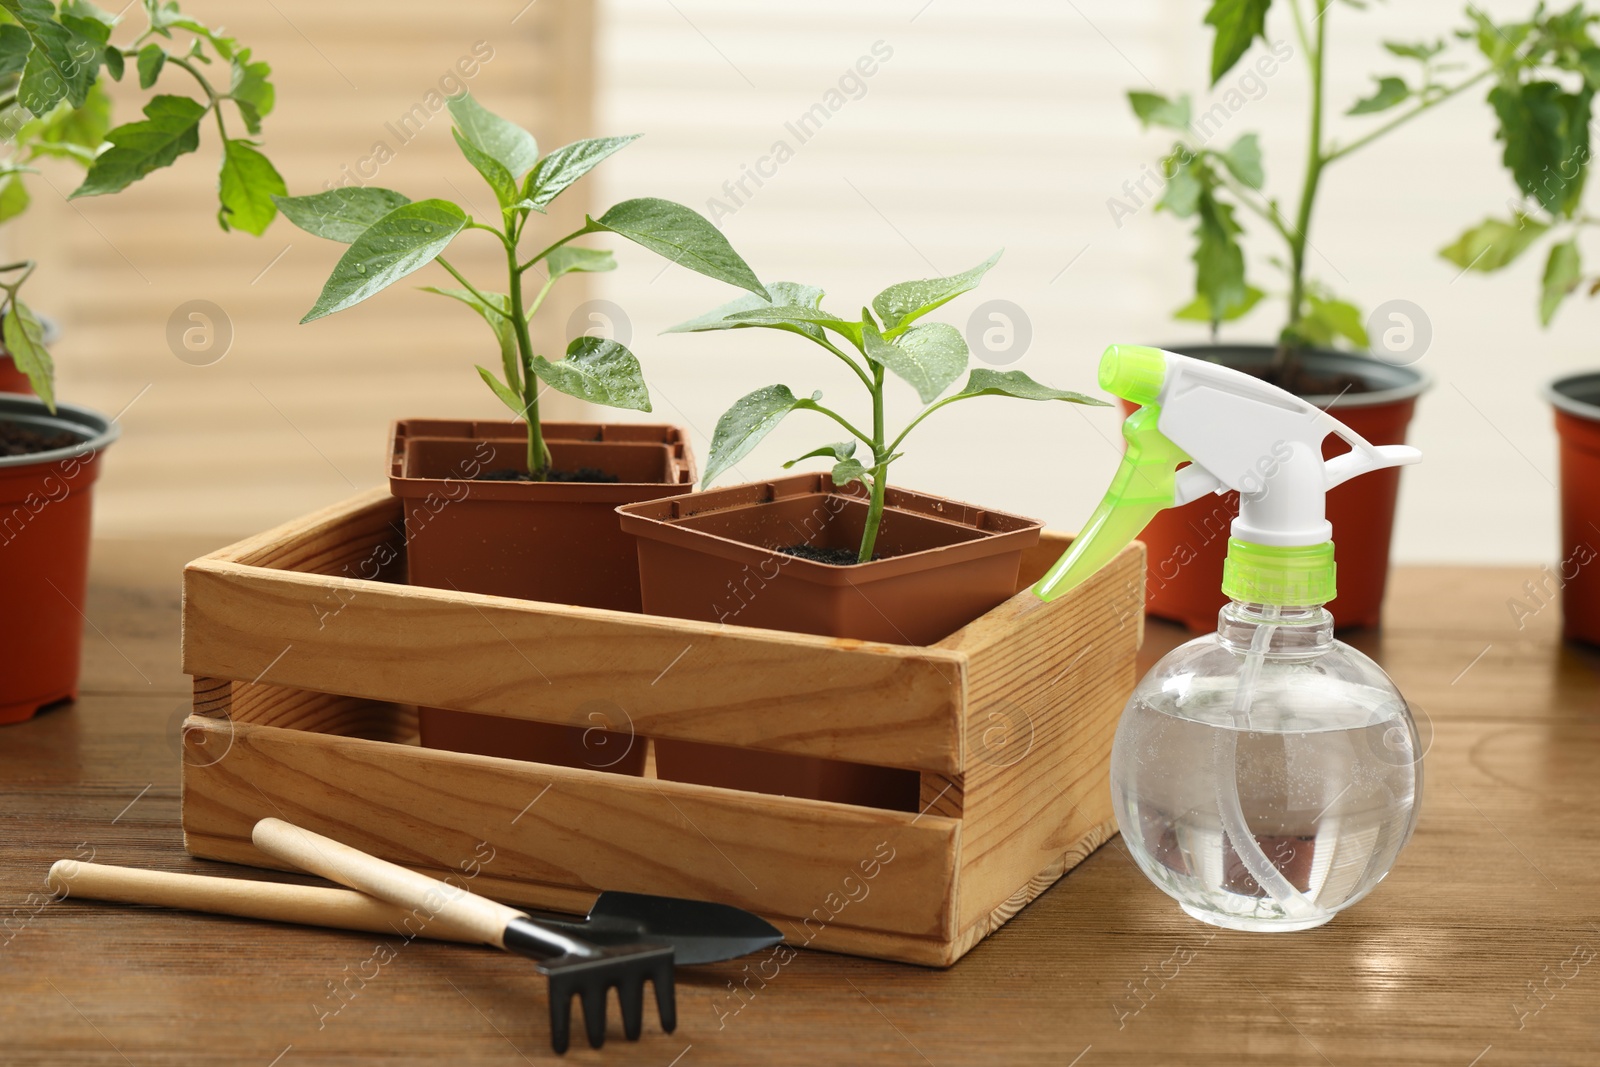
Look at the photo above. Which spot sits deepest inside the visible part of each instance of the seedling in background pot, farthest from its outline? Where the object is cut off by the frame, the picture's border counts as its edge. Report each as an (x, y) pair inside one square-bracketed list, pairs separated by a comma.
[(1208, 183), (930, 356), (53, 104), (390, 237)]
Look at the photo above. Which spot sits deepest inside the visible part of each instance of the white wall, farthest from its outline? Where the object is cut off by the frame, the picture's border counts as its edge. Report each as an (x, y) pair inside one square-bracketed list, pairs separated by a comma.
[(1005, 124)]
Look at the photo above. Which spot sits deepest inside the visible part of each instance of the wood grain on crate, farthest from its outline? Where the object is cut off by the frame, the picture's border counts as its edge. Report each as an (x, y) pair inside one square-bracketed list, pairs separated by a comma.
[(560, 835), (268, 609)]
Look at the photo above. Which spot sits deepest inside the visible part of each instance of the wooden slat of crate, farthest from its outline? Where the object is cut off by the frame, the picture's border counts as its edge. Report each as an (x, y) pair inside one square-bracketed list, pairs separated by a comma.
[(1051, 679), (266, 610), (559, 834)]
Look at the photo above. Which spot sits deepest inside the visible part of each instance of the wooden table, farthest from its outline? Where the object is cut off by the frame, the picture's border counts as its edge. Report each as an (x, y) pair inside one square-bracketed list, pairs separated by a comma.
[(1482, 948)]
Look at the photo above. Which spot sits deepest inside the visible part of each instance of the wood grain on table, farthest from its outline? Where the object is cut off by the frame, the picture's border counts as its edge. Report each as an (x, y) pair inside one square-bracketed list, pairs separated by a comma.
[(1481, 948)]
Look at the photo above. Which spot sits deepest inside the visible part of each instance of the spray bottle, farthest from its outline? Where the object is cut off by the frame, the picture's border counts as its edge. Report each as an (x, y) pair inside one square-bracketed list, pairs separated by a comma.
[(1265, 776)]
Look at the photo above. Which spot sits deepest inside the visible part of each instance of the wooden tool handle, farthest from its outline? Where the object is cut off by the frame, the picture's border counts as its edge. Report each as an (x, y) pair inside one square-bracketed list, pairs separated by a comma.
[(341, 909), (426, 897)]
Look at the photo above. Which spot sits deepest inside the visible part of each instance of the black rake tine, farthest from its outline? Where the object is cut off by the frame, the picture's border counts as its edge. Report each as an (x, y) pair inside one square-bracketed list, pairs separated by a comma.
[(630, 995), (593, 996), (560, 1014), (666, 996)]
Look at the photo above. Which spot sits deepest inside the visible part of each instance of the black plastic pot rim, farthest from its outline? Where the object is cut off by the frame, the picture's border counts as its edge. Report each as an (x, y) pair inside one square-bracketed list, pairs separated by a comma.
[(1397, 381), (19, 409), (1557, 393)]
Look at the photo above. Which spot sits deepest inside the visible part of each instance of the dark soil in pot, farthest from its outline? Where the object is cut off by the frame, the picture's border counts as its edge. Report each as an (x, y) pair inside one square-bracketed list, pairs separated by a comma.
[(1186, 546), (556, 541), (720, 556)]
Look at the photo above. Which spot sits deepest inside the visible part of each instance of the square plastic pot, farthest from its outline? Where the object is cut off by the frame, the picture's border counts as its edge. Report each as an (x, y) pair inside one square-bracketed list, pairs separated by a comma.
[(717, 556), (557, 542)]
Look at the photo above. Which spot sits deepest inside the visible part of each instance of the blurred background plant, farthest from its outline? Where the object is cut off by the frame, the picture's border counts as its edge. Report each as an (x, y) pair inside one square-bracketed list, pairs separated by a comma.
[(1546, 72), (1540, 123), (54, 61)]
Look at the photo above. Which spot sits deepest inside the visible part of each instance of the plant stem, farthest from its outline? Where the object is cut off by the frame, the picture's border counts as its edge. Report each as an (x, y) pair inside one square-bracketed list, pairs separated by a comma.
[(880, 471), (1314, 163), (469, 287), (538, 451), (841, 420), (1401, 120)]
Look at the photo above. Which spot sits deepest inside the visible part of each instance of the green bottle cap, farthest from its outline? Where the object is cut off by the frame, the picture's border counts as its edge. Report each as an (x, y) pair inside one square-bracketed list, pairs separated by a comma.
[(1133, 372), (1282, 575)]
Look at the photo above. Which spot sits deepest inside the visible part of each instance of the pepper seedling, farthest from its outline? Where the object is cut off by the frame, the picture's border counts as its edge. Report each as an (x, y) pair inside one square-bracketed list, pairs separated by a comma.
[(391, 237), (53, 104), (929, 356)]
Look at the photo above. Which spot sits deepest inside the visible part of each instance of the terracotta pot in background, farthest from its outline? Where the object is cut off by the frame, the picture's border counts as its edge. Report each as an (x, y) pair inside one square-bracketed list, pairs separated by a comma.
[(1577, 403), (552, 541), (1186, 546), (713, 556), (45, 506)]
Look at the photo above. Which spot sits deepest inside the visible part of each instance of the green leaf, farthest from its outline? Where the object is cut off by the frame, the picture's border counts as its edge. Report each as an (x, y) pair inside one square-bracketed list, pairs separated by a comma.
[(15, 44), (1493, 243), (1199, 309), (251, 91), (1546, 135), (598, 370), (63, 64), (847, 471), (567, 259), (801, 299), (1563, 271), (24, 338), (929, 356), (1390, 91), (152, 57), (1014, 383), (566, 165), (1237, 22), (248, 187), (114, 62), (69, 132), (1327, 319), (1421, 51), (750, 419), (493, 171), (171, 127), (1243, 161), (839, 451), (1154, 109), (341, 214), (508, 144), (13, 196), (681, 235), (906, 302), (1189, 180), (507, 396), (1218, 259), (405, 240)]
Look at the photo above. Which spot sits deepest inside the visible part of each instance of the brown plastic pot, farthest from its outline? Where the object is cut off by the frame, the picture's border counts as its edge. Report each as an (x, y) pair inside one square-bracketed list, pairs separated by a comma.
[(553, 541), (1186, 546), (716, 556), (45, 507), (1577, 403), (11, 379)]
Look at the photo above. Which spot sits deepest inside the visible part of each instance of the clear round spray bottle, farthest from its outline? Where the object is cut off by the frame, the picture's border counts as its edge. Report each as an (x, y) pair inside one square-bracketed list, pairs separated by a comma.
[(1265, 776)]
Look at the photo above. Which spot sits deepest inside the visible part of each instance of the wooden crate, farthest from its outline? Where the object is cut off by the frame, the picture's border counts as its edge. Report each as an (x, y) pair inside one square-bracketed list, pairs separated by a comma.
[(309, 658)]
